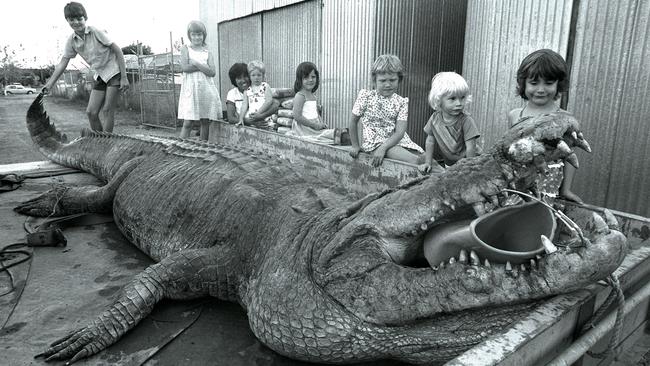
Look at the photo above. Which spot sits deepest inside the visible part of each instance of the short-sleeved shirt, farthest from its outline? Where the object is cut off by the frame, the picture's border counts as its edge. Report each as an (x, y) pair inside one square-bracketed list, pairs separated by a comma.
[(378, 116), (451, 138), (236, 97), (95, 48)]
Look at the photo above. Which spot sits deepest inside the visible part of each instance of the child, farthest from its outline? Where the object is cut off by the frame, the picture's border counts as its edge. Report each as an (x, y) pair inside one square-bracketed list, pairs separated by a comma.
[(383, 115), (199, 98), (451, 133), (257, 99), (307, 123), (239, 78), (104, 57), (541, 78)]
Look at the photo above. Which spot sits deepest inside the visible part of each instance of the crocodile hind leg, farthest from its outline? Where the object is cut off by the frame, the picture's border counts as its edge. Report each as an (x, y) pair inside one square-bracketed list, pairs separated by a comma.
[(61, 201), (183, 275)]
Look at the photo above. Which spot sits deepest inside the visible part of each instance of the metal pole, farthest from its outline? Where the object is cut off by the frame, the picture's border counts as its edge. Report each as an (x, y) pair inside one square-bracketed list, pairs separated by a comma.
[(174, 106), (591, 337)]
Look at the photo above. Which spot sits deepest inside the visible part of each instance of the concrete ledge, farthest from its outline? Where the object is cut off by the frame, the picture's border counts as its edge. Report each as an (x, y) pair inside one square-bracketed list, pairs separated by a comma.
[(36, 169)]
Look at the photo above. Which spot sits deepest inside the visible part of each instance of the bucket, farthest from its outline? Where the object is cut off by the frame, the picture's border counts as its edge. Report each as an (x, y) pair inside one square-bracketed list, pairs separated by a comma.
[(507, 234)]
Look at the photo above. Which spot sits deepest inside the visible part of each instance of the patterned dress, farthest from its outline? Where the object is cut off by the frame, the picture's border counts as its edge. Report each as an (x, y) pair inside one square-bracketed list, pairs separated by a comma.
[(379, 116), (199, 98), (256, 97)]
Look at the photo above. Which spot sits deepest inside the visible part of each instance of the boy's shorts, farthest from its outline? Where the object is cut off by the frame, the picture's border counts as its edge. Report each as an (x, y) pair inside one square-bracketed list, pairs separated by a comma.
[(101, 84)]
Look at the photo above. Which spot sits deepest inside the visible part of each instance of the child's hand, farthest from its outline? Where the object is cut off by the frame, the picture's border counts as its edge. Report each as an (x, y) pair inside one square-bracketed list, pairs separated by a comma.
[(424, 168), (354, 151), (124, 83), (378, 156)]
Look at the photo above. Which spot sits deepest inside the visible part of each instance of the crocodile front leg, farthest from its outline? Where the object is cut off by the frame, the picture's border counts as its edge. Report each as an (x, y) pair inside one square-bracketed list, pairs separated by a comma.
[(183, 275), (61, 201)]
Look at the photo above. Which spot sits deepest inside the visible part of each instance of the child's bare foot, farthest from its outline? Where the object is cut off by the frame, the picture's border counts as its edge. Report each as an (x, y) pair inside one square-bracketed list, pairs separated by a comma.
[(570, 196)]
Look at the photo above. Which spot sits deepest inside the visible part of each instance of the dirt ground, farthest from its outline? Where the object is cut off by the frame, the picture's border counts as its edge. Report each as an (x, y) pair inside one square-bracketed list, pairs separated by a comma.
[(68, 116)]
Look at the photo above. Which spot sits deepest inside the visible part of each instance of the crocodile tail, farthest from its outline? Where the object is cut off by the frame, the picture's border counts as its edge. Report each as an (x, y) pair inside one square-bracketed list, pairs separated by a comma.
[(44, 134)]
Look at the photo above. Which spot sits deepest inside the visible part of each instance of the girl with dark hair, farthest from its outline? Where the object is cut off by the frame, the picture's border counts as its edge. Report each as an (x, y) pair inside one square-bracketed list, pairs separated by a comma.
[(239, 78), (307, 123), (541, 79)]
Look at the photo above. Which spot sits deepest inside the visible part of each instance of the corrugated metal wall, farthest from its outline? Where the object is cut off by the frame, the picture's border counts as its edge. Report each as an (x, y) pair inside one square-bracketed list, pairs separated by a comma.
[(232, 9), (610, 83), (240, 40), (610, 90), (499, 34), (282, 38), (347, 51), (290, 36), (426, 45)]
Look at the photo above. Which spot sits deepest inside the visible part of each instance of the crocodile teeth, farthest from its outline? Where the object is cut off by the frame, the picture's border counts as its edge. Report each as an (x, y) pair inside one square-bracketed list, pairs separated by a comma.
[(523, 267), (508, 266), (473, 258), (549, 247), (432, 219), (486, 263), (533, 264), (462, 257), (538, 257), (573, 160), (562, 146), (611, 220), (442, 265), (479, 208), (600, 226), (424, 227), (452, 260), (574, 135)]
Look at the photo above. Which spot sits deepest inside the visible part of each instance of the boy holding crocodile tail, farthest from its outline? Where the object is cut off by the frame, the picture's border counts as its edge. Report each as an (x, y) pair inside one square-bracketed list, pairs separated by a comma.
[(104, 57)]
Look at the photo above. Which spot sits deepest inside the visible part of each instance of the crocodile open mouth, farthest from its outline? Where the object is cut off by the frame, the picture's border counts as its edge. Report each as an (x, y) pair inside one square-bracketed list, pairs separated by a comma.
[(511, 234)]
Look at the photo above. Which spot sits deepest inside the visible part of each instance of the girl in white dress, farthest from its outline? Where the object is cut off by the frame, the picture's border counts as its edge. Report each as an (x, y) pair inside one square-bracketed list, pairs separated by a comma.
[(199, 99), (307, 123)]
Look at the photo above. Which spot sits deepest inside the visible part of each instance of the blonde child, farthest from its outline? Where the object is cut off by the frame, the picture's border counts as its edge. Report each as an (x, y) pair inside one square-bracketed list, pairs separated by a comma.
[(383, 115), (104, 57), (307, 123), (199, 98), (451, 132), (257, 97), (541, 78)]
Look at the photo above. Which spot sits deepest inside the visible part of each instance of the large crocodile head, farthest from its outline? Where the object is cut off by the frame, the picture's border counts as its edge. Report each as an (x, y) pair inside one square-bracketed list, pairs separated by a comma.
[(371, 264)]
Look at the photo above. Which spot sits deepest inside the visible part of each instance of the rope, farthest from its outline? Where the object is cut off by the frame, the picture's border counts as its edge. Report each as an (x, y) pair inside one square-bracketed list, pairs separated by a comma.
[(5, 268), (616, 293), (612, 280)]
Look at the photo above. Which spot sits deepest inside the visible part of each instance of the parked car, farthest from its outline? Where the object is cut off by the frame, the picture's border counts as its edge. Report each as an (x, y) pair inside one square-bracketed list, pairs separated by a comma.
[(18, 89)]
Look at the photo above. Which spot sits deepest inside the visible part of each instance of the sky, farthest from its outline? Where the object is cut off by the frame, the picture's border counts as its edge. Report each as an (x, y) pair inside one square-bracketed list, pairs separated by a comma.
[(37, 30)]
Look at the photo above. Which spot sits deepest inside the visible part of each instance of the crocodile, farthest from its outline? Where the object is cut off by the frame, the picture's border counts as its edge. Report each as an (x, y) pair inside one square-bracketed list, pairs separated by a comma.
[(323, 276)]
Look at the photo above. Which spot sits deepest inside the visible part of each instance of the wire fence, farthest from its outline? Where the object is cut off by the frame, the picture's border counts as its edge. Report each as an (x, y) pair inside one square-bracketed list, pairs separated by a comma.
[(155, 87)]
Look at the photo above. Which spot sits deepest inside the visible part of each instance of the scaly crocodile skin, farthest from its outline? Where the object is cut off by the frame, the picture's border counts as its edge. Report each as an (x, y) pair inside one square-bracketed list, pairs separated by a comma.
[(323, 278)]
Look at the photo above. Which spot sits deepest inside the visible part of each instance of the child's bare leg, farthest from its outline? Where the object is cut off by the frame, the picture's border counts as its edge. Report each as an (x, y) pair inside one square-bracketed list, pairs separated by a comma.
[(94, 106), (110, 103), (565, 187), (400, 153), (205, 130), (187, 127)]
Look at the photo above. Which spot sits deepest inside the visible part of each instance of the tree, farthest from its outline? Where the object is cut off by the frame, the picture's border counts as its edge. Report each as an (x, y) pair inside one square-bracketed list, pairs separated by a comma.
[(132, 49)]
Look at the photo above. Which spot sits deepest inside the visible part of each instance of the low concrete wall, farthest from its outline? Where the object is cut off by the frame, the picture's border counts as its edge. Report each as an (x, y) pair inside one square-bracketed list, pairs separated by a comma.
[(323, 161)]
